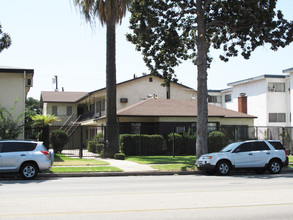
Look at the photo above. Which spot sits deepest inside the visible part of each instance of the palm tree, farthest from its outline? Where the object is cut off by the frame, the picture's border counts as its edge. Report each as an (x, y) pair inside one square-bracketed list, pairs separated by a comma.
[(109, 12)]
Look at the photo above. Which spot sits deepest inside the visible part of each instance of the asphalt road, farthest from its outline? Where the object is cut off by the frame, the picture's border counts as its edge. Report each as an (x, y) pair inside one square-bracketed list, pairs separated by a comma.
[(149, 197)]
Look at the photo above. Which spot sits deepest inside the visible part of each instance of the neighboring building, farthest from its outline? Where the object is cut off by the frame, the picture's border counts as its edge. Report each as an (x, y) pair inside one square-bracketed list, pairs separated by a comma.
[(15, 84), (87, 107), (267, 96), (290, 72), (62, 104)]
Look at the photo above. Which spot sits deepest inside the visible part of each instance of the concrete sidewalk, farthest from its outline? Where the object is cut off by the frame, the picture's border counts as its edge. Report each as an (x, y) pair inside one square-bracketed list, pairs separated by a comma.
[(129, 166)]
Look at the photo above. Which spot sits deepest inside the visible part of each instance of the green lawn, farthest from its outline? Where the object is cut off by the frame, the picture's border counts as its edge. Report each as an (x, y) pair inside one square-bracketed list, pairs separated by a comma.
[(64, 164), (62, 160), (85, 169), (170, 163), (167, 163)]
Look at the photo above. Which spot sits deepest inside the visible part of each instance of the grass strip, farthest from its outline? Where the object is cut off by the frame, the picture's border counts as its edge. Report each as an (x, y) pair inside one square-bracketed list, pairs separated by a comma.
[(84, 169), (62, 160), (187, 160), (174, 167)]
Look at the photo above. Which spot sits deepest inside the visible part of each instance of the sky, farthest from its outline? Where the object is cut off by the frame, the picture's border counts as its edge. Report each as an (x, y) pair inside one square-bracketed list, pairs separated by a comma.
[(51, 37)]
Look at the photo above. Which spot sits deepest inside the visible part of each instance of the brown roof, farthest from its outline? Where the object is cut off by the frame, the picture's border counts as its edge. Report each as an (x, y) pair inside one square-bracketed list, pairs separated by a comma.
[(176, 108), (69, 97)]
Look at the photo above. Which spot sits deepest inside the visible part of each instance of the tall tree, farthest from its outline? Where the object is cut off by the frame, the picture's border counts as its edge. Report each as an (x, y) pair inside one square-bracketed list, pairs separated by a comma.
[(168, 31), (109, 12), (5, 40)]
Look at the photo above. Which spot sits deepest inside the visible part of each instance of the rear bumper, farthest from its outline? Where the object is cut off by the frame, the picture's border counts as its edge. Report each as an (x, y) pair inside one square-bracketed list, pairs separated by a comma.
[(286, 163)]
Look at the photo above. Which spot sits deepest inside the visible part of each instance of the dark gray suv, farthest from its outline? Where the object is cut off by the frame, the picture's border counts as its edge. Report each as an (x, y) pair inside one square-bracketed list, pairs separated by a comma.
[(25, 157)]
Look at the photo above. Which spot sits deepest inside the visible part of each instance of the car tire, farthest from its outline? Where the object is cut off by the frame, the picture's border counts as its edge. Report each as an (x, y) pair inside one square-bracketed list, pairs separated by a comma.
[(274, 167), (223, 168), (28, 171)]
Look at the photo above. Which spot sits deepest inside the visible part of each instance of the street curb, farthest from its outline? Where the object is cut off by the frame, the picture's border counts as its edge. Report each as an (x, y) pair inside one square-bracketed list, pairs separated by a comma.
[(109, 174), (141, 173), (113, 174)]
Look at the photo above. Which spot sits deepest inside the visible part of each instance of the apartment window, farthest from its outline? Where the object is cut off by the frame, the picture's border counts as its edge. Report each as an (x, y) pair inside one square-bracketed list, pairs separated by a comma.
[(69, 110), (180, 129), (151, 79), (214, 99), (276, 87), (135, 128), (54, 110), (228, 98), (212, 126), (277, 117)]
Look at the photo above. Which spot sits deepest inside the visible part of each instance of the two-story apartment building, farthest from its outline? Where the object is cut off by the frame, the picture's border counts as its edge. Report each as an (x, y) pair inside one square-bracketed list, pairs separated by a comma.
[(87, 107), (268, 97), (15, 84)]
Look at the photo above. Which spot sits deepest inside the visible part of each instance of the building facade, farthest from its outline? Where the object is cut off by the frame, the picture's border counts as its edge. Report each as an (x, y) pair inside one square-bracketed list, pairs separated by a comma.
[(268, 97), (15, 84)]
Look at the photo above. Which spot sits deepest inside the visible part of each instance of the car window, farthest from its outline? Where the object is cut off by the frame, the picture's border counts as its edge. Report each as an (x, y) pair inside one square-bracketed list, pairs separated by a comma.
[(17, 146), (277, 145), (245, 147), (260, 146), (229, 147)]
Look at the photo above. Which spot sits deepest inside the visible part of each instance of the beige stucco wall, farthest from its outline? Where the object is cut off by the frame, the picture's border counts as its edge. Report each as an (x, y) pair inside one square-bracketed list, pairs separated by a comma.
[(139, 89), (61, 112), (13, 87)]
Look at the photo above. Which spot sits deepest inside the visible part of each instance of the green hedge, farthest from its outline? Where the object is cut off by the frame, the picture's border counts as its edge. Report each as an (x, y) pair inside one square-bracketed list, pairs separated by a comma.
[(135, 144), (184, 144), (96, 145), (216, 141), (58, 139)]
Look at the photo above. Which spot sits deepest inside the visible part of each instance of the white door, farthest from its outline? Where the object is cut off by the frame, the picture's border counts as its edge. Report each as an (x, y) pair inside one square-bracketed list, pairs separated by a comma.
[(244, 157)]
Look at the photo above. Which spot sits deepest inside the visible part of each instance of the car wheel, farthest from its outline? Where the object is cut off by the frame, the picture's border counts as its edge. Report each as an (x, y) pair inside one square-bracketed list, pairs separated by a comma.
[(274, 167), (28, 171), (223, 168)]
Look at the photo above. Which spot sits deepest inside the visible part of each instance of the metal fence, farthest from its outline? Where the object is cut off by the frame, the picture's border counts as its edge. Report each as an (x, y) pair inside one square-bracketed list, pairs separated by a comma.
[(79, 136)]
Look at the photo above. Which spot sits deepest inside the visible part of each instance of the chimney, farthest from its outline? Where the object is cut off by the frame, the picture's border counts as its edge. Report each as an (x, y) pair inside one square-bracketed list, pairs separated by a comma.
[(242, 103)]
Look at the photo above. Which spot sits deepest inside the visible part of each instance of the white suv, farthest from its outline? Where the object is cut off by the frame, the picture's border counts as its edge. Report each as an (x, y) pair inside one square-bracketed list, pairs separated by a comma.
[(26, 157), (258, 155)]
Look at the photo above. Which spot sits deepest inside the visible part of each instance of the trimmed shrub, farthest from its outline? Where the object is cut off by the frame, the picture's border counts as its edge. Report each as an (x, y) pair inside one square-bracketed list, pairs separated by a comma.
[(175, 140), (58, 139), (189, 144), (92, 147), (96, 145), (184, 144), (216, 141), (134, 144)]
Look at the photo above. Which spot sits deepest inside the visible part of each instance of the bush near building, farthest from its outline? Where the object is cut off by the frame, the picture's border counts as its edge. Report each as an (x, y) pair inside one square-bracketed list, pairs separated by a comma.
[(216, 141), (58, 139), (96, 145), (136, 145)]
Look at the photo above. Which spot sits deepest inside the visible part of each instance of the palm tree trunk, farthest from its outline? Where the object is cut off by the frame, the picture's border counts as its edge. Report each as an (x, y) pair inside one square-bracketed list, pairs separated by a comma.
[(111, 110), (202, 105)]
